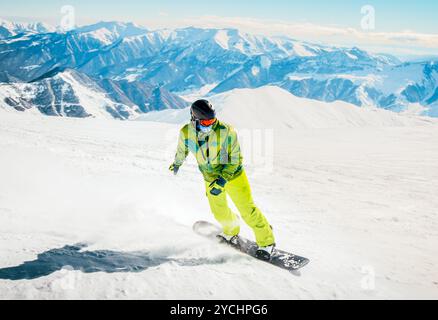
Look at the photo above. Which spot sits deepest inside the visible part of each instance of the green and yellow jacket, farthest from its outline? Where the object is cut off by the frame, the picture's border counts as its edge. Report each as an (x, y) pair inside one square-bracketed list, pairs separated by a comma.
[(218, 153)]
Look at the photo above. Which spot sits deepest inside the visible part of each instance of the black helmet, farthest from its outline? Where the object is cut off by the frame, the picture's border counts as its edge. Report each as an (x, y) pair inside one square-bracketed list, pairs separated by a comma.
[(202, 110)]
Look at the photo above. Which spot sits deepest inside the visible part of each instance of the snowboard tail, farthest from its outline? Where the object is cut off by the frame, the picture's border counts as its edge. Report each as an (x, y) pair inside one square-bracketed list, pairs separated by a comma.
[(279, 258)]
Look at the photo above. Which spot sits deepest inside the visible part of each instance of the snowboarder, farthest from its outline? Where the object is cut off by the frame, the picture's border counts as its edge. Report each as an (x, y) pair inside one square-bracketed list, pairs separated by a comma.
[(217, 151)]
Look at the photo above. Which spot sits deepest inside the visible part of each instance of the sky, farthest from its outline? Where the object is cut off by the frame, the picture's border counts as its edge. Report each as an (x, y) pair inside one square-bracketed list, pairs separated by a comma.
[(408, 27)]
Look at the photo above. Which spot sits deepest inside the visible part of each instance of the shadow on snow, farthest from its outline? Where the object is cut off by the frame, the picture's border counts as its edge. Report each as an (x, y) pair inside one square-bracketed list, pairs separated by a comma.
[(74, 258)]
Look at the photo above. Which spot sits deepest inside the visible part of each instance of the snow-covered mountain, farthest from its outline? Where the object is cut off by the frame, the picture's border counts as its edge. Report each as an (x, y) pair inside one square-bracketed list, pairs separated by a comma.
[(401, 88), (11, 29), (189, 59), (272, 107), (110, 31), (74, 94), (179, 59)]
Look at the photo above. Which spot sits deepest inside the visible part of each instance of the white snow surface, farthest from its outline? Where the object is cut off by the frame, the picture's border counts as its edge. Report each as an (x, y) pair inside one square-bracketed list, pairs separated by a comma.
[(222, 39), (358, 200)]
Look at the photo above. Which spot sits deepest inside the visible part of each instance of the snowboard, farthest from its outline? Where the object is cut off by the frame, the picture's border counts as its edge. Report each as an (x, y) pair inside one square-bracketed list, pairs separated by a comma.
[(279, 258)]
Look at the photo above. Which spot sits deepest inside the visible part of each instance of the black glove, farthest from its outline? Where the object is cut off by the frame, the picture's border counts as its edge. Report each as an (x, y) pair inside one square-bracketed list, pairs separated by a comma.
[(217, 186), (174, 168)]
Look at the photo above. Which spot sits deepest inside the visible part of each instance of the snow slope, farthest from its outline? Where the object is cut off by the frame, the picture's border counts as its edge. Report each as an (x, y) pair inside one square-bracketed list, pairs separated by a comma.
[(358, 200), (274, 107)]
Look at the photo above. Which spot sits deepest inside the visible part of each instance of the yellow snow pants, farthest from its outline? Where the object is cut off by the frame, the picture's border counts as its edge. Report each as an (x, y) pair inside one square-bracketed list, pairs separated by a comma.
[(239, 191)]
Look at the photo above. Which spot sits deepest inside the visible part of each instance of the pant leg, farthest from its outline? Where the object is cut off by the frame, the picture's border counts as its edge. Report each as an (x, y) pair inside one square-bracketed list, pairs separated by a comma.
[(223, 214), (240, 192)]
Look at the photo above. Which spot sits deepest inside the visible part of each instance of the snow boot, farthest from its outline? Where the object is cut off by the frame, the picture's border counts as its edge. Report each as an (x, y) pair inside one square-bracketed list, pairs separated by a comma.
[(265, 253)]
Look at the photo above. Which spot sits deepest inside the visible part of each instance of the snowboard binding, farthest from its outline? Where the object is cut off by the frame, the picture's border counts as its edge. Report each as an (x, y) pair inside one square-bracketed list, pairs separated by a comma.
[(265, 253), (231, 240)]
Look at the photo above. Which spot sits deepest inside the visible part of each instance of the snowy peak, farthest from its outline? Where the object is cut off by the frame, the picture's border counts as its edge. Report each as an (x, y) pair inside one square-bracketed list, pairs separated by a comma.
[(252, 45), (222, 38), (237, 41), (11, 29), (111, 31), (40, 27)]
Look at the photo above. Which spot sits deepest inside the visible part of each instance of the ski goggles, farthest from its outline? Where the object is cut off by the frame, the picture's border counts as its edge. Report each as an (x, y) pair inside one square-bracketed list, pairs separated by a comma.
[(207, 123)]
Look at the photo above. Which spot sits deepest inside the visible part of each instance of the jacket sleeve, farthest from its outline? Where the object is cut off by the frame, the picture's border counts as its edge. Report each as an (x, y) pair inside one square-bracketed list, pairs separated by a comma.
[(234, 159), (182, 150)]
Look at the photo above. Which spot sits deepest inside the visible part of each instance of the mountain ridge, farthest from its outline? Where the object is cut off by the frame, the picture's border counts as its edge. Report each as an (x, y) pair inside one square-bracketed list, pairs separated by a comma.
[(70, 93)]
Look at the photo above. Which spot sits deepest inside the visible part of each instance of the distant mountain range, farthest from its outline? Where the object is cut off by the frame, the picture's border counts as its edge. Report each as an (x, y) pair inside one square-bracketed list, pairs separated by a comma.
[(10, 29), (138, 70)]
